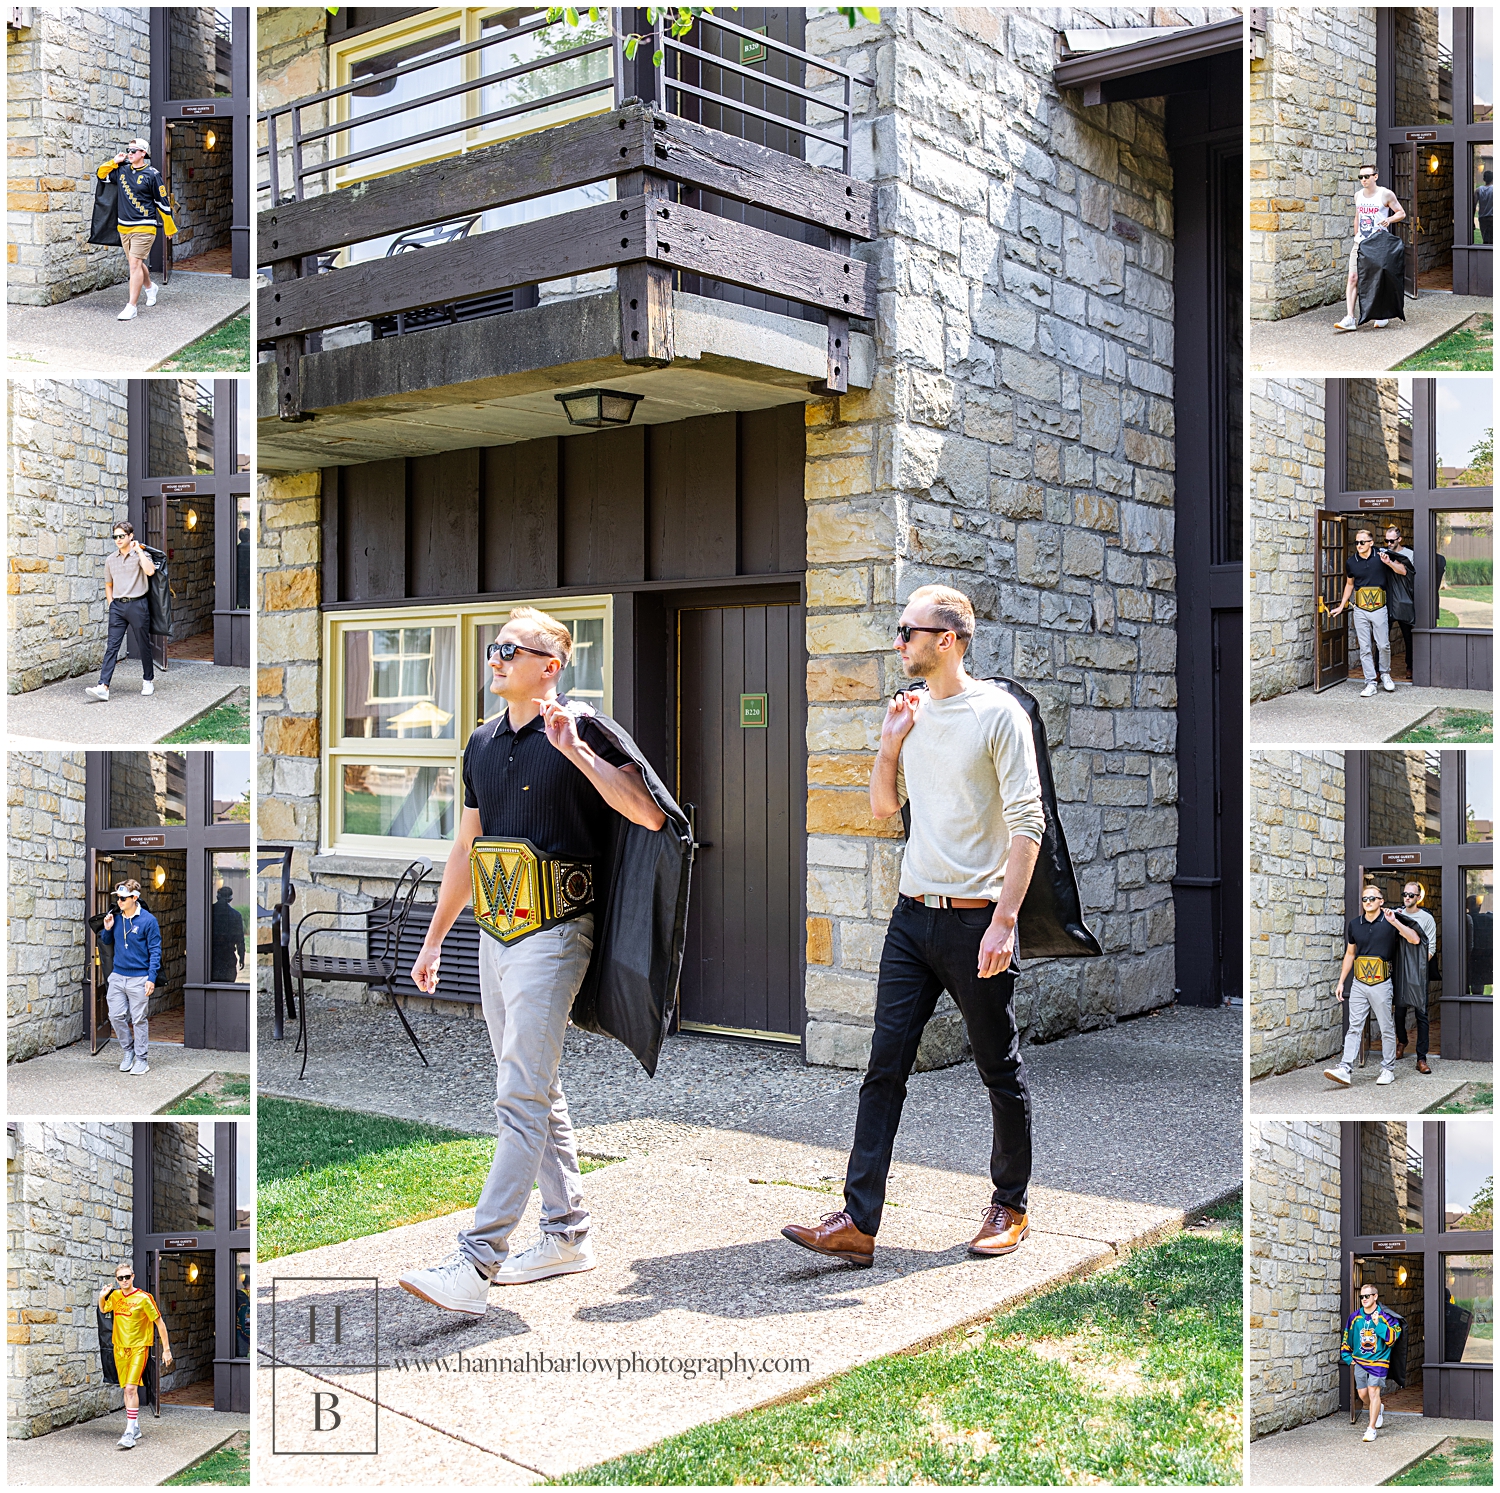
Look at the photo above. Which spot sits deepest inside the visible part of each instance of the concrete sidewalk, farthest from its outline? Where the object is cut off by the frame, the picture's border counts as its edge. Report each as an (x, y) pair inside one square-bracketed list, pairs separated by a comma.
[(691, 1262), (1307, 344), (1339, 717), (83, 335), (1304, 1091), (85, 1456), (62, 715), (1331, 1453), (69, 1081)]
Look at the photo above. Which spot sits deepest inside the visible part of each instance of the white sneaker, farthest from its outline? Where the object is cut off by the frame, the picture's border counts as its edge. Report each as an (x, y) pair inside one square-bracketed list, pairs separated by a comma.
[(1385, 323), (454, 1284), (128, 314), (147, 687), (97, 691), (1388, 684), (1370, 1433), (1348, 324), (151, 300), (131, 1436), (550, 1255), (1368, 691), (1339, 1075), (139, 1066), (1380, 1419), (126, 1061), (1386, 1076)]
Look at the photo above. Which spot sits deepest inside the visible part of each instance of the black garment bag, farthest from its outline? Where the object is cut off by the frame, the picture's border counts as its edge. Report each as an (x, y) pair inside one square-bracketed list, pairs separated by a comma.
[(1381, 275), (105, 228), (159, 591), (107, 1358)]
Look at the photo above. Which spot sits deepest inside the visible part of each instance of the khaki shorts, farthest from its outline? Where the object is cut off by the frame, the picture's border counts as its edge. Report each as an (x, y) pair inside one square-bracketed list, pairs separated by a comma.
[(137, 242)]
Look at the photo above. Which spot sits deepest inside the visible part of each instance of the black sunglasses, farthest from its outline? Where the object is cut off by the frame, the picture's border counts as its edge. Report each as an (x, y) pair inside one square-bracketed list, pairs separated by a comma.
[(129, 1275), (508, 651), (1372, 899), (121, 535), (904, 631)]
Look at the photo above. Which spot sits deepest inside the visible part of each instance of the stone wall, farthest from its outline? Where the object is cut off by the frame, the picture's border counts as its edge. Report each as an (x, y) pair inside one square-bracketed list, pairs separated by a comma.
[(1312, 125), (1296, 907), (1286, 440), (68, 1216), (1293, 1272), (48, 870), (68, 489), (79, 87)]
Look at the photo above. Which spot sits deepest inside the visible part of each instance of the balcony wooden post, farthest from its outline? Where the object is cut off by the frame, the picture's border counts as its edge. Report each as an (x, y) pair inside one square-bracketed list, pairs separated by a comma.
[(646, 288), (288, 354), (837, 381)]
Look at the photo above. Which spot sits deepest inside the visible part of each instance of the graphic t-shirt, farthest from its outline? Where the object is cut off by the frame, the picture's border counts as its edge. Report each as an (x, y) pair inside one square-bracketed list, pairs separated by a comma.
[(1374, 949), (136, 1316), (1370, 213), (1369, 581)]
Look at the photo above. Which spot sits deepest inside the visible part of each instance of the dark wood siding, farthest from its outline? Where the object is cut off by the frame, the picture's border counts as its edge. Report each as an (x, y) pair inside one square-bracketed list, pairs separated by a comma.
[(693, 499), (518, 517), (372, 526), (603, 507), (772, 452), (442, 519)]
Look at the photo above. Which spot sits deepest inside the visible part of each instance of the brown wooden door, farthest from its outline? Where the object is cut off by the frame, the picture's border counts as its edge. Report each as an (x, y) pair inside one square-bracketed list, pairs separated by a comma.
[(1333, 632), (156, 537), (1404, 183), (742, 970), (96, 979)]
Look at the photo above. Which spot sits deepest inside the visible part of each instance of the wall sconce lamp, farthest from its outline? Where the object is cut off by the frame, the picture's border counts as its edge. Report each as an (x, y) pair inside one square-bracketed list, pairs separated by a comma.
[(599, 407), (159, 877), (1401, 1275), (190, 519), (210, 140), (1434, 164), (192, 1272)]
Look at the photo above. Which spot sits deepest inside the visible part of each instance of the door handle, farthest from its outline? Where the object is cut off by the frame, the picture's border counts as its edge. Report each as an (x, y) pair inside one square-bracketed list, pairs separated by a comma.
[(694, 843)]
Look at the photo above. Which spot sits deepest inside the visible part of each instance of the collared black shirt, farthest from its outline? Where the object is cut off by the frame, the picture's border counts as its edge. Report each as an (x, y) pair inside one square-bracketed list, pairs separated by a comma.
[(524, 788)]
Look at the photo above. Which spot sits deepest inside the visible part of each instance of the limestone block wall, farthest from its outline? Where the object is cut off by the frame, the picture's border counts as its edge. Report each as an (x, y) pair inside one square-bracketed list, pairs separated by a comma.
[(1285, 437), (78, 82), (68, 488), (69, 1193), (1311, 125), (45, 947), (1296, 907), (190, 553), (1293, 1270)]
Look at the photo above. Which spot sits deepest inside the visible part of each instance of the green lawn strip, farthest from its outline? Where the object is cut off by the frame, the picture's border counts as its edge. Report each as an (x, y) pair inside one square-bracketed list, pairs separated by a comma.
[(218, 1094), (1131, 1375), (332, 1174), (226, 722), (224, 350), (1466, 349), (1461, 1462), (1477, 727), (1472, 1099), (225, 1465)]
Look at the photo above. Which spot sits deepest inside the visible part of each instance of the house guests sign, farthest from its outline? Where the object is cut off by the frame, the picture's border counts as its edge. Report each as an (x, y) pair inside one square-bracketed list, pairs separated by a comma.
[(189, 1242), (1389, 1246), (145, 842), (177, 489), (1378, 500), (1401, 858)]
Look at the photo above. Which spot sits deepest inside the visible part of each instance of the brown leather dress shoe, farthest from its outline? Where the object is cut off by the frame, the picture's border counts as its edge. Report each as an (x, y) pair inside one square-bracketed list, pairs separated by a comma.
[(1422, 1066), (1400, 1051), (1001, 1232), (835, 1234)]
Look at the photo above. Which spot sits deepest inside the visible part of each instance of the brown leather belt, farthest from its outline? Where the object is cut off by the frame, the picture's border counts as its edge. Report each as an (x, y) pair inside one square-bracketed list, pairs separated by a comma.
[(930, 899)]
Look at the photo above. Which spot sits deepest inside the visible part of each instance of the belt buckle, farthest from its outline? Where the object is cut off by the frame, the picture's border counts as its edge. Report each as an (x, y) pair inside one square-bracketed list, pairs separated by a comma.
[(507, 890), (931, 899)]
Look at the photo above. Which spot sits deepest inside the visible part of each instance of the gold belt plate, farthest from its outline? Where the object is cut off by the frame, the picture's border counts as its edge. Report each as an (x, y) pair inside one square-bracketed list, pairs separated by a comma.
[(507, 886)]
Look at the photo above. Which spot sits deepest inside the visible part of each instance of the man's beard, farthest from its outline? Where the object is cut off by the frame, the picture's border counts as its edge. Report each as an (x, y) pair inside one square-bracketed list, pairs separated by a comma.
[(918, 668)]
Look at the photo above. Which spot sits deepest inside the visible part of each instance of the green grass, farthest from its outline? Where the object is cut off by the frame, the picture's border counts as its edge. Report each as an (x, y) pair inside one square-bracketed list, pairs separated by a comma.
[(332, 1174), (1466, 349), (228, 1464), (218, 1094), (225, 723), (1460, 1462), (226, 350), (1476, 727), (1472, 1099), (1471, 593), (1131, 1375)]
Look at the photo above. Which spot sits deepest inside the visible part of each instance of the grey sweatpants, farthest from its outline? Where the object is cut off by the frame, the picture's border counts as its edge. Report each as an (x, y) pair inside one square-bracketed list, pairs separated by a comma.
[(527, 991), (1373, 629), (127, 1000), (1362, 1000)]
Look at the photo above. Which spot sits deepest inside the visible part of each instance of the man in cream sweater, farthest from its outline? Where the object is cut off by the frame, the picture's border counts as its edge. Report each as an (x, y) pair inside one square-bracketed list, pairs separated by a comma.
[(960, 753)]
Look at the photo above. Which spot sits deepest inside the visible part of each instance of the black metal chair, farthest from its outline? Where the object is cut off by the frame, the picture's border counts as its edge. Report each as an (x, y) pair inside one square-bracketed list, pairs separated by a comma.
[(383, 926), (275, 936)]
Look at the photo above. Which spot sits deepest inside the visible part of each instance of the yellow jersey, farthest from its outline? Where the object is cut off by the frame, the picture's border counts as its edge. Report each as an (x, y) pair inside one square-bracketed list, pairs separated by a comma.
[(136, 1316)]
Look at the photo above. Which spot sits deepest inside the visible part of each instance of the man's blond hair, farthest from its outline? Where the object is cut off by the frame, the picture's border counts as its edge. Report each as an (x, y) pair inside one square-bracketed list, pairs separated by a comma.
[(952, 608), (545, 631)]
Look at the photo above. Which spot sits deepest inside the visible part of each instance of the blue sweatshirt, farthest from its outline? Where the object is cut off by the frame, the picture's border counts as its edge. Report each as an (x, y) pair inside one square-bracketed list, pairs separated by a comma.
[(137, 945)]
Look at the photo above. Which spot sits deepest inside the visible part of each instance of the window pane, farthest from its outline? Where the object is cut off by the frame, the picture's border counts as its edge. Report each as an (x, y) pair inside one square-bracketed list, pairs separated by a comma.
[(1479, 930), (244, 425), (147, 789), (179, 427), (231, 773), (1465, 569), (182, 1177), (229, 917), (1479, 799), (1465, 433), (1469, 1176), (1469, 1308), (566, 73), (404, 801), (1482, 224), (583, 679), (1390, 1154), (1424, 65), (242, 1302), (1403, 798), (388, 92), (1378, 434), (242, 555), (244, 1175), (1482, 110), (398, 683)]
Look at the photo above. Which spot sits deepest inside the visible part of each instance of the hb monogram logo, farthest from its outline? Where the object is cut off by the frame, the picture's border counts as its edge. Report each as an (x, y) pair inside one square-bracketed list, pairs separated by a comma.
[(324, 1365)]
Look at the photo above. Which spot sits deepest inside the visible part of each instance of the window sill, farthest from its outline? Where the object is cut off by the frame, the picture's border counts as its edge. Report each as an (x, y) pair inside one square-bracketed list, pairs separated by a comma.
[(335, 863)]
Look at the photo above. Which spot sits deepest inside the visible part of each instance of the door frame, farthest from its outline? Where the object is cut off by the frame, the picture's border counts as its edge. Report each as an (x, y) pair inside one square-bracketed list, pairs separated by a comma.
[(1336, 671)]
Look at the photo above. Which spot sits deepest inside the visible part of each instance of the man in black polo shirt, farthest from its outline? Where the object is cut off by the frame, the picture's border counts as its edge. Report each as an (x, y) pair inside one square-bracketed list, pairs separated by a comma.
[(1366, 571), (537, 773), (1370, 955)]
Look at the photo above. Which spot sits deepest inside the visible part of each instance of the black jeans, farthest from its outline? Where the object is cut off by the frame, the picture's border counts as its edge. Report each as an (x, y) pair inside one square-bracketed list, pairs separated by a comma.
[(1406, 638), (929, 950), (1422, 1028), (132, 615)]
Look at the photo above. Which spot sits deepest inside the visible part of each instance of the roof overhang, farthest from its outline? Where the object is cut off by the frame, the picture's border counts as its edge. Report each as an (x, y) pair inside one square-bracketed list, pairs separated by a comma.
[(1162, 63)]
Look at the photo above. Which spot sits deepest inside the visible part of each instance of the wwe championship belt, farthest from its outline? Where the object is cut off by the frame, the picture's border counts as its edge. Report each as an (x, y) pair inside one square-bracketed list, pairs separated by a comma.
[(518, 891), (1370, 598), (1369, 970)]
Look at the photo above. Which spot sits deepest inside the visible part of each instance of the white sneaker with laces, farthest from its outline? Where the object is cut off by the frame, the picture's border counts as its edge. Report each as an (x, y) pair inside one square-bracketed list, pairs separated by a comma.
[(550, 1255), (131, 1436), (1370, 1433), (1368, 691), (1380, 1419), (151, 300), (1385, 323), (454, 1285), (1348, 324), (1388, 684), (127, 1060), (147, 687), (139, 1066), (1386, 1076), (97, 691), (1339, 1075), (128, 314)]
